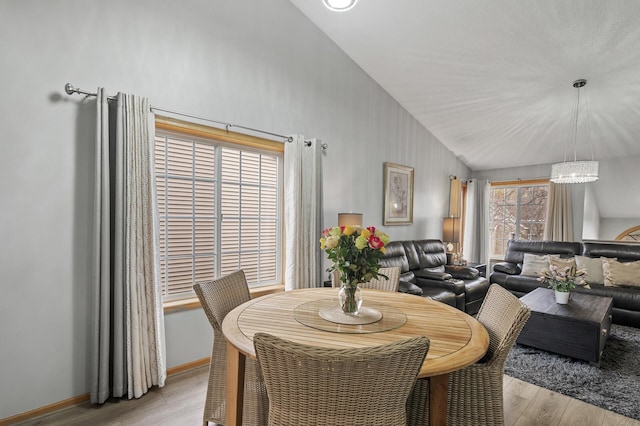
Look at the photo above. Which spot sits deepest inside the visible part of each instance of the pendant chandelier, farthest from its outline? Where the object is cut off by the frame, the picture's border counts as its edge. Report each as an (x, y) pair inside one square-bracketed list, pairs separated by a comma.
[(575, 171), (339, 5)]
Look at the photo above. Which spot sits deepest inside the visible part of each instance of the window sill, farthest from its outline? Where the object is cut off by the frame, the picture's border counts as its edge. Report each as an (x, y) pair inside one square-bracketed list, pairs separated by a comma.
[(194, 302)]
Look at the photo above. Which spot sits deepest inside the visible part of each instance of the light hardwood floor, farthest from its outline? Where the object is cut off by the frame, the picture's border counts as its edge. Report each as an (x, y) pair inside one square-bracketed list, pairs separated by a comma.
[(181, 402)]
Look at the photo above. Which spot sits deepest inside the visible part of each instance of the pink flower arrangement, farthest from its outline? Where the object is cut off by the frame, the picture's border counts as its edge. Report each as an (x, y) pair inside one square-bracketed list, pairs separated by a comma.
[(563, 279)]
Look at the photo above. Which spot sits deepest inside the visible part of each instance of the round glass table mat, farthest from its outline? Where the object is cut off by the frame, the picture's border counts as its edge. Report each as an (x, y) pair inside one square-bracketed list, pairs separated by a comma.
[(308, 314)]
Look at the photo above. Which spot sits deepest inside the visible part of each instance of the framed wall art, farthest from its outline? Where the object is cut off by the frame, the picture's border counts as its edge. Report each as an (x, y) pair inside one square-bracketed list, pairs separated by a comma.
[(398, 194)]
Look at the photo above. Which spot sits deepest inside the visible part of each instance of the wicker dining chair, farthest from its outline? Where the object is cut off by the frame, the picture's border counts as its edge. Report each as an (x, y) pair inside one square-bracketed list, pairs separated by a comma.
[(390, 283), (218, 298), (309, 385), (475, 392)]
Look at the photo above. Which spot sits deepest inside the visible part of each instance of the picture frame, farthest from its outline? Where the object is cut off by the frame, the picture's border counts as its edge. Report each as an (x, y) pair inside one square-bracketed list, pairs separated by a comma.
[(398, 194)]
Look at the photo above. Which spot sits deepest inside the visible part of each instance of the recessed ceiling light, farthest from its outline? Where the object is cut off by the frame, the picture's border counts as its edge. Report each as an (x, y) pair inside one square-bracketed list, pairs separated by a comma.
[(339, 5)]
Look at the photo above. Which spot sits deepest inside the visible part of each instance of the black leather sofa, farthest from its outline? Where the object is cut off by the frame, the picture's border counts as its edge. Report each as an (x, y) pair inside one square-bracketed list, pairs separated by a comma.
[(626, 300), (423, 272)]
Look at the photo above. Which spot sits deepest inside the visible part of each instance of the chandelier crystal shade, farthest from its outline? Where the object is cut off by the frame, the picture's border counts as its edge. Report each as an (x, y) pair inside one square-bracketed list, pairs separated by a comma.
[(576, 171)]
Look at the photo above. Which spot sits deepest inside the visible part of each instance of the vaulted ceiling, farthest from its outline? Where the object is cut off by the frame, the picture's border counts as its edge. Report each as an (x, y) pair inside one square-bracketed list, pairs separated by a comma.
[(493, 80)]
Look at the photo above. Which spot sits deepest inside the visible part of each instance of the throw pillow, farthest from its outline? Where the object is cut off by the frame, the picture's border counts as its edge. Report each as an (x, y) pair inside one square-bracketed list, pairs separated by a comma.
[(593, 266), (533, 264), (621, 273), (562, 262)]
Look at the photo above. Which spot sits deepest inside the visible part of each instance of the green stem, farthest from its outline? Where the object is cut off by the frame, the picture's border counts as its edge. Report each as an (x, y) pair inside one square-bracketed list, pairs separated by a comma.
[(349, 304)]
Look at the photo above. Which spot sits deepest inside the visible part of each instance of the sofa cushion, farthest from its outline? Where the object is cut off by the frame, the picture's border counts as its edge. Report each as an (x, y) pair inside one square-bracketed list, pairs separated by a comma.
[(412, 254), (533, 264), (522, 284), (621, 273), (627, 298), (409, 287), (431, 254), (395, 256), (593, 267)]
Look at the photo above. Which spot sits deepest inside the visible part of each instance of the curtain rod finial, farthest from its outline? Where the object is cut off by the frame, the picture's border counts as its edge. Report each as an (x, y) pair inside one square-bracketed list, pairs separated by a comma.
[(69, 89)]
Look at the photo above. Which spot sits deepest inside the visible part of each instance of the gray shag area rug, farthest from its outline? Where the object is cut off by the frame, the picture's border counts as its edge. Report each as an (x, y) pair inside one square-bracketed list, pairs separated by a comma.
[(614, 386)]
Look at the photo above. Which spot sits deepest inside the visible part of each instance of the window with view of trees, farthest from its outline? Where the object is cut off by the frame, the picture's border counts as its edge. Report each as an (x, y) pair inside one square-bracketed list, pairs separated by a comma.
[(219, 211), (516, 211)]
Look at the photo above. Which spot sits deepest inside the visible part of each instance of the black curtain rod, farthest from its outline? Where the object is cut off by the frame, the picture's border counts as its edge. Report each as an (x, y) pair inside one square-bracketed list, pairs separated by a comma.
[(70, 90)]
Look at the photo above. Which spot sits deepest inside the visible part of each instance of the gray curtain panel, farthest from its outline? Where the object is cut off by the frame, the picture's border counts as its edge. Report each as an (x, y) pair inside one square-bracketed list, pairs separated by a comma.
[(128, 348), (559, 220), (476, 234), (303, 213)]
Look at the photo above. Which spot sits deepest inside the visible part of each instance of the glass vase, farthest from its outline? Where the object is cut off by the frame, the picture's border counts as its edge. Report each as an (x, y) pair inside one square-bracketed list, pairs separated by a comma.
[(350, 297)]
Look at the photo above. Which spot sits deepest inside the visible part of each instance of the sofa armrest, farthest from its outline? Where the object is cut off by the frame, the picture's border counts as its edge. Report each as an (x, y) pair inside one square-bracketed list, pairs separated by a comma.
[(431, 275), (453, 285), (507, 268), (462, 272), (409, 288)]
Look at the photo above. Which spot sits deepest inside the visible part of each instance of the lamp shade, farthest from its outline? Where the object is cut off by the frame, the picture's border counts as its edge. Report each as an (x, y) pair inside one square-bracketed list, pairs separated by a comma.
[(451, 229), (353, 219)]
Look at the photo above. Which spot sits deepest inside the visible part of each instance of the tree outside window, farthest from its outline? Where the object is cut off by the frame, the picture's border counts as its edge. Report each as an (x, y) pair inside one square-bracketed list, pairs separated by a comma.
[(516, 211)]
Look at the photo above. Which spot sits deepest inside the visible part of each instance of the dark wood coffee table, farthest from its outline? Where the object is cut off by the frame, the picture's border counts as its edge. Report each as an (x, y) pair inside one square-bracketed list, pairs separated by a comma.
[(578, 329)]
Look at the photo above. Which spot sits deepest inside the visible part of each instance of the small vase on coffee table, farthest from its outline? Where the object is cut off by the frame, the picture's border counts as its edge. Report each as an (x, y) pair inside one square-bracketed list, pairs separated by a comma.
[(562, 297)]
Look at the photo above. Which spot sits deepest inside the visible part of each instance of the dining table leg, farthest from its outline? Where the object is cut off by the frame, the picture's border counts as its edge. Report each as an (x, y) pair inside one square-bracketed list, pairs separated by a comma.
[(438, 394), (235, 385)]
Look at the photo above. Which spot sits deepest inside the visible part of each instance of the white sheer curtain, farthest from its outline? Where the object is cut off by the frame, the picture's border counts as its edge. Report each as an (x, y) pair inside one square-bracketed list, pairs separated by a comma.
[(559, 220), (476, 222), (128, 346), (303, 213)]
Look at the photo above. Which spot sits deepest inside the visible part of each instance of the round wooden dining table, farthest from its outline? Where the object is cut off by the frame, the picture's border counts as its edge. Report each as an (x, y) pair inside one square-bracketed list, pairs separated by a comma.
[(457, 339)]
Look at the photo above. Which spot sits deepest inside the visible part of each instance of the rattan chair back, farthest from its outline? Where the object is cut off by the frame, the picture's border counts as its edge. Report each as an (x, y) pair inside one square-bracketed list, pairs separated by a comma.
[(309, 385), (390, 283), (218, 298), (475, 392)]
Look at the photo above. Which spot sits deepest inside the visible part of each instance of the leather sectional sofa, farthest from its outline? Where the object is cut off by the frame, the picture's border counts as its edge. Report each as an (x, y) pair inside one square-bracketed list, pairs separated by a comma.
[(424, 272), (626, 299)]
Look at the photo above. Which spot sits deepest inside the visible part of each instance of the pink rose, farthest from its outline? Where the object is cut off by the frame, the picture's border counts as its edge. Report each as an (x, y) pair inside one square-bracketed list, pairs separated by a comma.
[(375, 242)]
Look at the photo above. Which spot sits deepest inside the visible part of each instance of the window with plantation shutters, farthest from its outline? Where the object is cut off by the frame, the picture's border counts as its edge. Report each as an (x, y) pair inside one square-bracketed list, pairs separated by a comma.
[(219, 211)]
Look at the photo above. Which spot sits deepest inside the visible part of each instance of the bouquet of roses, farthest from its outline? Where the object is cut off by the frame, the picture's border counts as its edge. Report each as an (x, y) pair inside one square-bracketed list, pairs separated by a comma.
[(354, 251)]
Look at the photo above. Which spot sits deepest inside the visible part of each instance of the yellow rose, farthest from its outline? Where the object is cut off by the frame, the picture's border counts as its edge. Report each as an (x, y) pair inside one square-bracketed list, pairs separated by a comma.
[(332, 241), (335, 231), (321, 243), (361, 242), (365, 234), (348, 230)]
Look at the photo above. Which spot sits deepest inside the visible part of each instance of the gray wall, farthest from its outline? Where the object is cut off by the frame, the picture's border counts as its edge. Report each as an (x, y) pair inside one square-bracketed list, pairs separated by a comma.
[(591, 222), (255, 63)]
